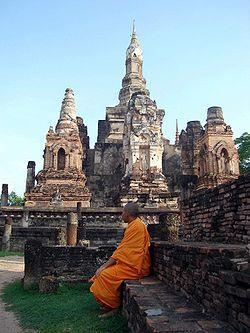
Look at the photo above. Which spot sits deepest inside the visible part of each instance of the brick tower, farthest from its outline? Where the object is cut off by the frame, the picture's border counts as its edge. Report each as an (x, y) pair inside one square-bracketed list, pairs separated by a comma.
[(62, 180)]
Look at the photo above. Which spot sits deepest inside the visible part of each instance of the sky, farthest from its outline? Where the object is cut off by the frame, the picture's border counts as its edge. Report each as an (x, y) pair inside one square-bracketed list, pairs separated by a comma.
[(196, 55)]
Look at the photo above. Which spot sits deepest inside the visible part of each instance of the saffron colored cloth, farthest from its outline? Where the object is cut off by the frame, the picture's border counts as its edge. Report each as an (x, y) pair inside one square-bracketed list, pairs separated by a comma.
[(132, 262)]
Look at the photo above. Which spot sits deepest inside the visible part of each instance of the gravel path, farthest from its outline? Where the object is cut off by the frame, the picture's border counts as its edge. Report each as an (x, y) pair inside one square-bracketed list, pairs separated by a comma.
[(11, 268)]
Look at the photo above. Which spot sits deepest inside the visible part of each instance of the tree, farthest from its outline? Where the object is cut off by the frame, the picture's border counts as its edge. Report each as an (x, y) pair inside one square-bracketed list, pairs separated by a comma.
[(243, 146), (15, 200)]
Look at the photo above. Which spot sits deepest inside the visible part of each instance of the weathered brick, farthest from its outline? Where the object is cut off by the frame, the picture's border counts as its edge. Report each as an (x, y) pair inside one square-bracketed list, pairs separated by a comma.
[(245, 319)]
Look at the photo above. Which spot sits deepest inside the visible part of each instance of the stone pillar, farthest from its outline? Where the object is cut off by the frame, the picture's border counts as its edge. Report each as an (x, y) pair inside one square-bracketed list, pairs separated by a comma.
[(79, 212), (30, 180), (25, 218), (67, 161), (72, 229), (7, 234), (4, 195), (32, 260), (81, 231), (210, 163)]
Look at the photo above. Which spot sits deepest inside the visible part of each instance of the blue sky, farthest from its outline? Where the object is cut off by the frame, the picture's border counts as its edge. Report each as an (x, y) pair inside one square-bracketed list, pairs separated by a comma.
[(196, 55)]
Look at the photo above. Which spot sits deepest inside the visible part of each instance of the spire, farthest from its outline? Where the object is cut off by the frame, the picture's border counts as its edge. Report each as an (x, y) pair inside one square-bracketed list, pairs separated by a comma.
[(134, 48), (133, 80), (67, 120), (176, 133), (68, 109), (134, 30)]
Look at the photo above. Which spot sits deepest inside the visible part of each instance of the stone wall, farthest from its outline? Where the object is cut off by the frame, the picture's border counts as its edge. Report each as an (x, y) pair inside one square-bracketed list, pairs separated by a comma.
[(171, 166), (220, 214), (209, 152), (47, 236), (103, 235), (56, 236), (103, 225), (104, 174), (214, 275), (98, 217), (63, 262)]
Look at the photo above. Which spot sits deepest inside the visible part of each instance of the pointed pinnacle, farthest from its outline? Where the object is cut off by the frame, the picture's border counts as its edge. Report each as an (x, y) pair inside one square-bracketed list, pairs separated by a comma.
[(134, 28), (177, 134)]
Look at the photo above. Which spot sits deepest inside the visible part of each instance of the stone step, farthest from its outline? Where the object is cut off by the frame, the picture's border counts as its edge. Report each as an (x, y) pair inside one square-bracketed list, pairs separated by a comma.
[(152, 307)]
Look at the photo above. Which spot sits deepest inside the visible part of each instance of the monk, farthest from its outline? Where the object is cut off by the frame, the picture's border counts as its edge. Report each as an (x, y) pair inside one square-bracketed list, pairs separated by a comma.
[(130, 261)]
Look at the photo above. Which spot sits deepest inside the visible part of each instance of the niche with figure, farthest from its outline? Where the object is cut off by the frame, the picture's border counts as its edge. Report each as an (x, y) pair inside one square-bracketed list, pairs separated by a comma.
[(224, 161), (144, 158), (202, 167)]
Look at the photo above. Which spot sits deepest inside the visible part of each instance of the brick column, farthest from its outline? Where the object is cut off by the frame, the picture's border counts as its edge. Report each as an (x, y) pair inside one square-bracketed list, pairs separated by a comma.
[(4, 195), (7, 234), (30, 180), (32, 260), (81, 231), (25, 218), (72, 229)]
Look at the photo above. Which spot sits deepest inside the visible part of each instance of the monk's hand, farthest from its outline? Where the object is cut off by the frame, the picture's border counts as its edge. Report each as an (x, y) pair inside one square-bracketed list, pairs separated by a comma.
[(110, 262), (99, 270)]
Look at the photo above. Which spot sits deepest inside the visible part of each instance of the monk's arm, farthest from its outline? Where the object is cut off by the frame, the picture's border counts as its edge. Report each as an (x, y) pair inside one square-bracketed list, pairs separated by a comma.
[(108, 263)]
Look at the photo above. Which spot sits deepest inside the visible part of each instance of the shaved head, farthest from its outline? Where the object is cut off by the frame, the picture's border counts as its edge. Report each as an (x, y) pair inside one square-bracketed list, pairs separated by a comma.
[(132, 209)]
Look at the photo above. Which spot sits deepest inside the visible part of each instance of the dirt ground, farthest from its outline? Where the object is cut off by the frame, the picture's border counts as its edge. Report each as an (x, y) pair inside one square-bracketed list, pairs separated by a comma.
[(11, 268)]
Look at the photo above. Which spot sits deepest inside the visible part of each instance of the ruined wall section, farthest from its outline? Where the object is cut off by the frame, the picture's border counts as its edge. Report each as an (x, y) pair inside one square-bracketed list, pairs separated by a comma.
[(220, 214), (214, 275), (46, 235), (189, 149), (83, 133), (63, 262), (208, 153), (171, 160), (106, 168)]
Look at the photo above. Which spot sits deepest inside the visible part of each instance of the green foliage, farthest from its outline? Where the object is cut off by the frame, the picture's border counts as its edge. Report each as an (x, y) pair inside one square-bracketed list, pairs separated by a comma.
[(10, 253), (73, 309), (243, 146), (15, 200)]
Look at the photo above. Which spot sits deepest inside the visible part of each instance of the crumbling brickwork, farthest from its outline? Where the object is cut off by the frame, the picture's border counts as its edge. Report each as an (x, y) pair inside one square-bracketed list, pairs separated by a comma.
[(62, 181), (214, 275), (63, 262), (47, 236), (220, 214), (209, 153)]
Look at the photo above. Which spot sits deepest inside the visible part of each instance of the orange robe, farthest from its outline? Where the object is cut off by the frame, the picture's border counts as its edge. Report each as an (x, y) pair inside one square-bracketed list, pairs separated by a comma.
[(132, 262)]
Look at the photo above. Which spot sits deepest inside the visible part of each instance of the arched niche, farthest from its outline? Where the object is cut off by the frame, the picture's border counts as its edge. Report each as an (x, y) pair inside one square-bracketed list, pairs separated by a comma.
[(224, 161), (202, 165), (61, 159)]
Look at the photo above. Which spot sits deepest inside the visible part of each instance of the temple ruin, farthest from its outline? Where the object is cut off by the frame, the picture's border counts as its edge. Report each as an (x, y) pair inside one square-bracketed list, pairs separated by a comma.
[(62, 181), (191, 196), (107, 164), (208, 155), (143, 150)]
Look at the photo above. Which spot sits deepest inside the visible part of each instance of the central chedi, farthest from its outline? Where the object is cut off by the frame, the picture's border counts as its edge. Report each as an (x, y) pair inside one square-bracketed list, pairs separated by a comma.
[(142, 136), (62, 181), (143, 149), (133, 81), (128, 156)]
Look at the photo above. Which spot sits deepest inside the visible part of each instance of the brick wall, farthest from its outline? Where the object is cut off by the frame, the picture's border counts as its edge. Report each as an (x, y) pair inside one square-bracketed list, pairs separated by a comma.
[(19, 235), (214, 275), (103, 235), (220, 214), (64, 262), (109, 216)]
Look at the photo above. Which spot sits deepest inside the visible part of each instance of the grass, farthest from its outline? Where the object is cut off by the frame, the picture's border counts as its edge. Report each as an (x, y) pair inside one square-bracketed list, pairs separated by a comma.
[(72, 310), (10, 253)]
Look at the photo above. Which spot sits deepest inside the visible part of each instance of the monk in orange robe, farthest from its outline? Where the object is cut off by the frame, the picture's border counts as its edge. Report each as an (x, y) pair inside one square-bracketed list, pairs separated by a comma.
[(130, 261)]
